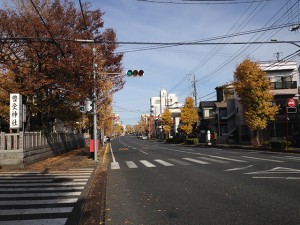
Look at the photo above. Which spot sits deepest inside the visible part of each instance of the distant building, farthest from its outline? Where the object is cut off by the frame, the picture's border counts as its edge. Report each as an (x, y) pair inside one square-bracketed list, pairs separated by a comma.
[(158, 105)]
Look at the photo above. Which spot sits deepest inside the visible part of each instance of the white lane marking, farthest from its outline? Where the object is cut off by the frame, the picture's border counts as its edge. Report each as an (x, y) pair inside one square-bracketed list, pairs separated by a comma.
[(36, 211), (229, 159), (212, 160), (242, 168), (76, 180), (277, 170), (34, 195), (164, 163), (114, 166), (263, 159), (39, 202), (131, 164), (196, 160), (44, 184), (41, 174), (112, 154), (60, 221), (143, 152), (147, 163), (42, 178), (43, 189), (180, 162), (284, 178), (25, 181), (292, 158)]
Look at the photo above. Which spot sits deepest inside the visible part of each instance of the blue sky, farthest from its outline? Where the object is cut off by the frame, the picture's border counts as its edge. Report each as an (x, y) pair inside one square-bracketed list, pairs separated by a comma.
[(171, 68)]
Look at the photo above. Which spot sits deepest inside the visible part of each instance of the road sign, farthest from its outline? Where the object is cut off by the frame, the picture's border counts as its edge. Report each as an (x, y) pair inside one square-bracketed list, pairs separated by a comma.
[(291, 102)]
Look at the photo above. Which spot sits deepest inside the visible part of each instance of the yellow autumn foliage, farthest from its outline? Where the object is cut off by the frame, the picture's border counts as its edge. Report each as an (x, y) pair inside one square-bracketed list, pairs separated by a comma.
[(189, 116), (254, 90), (167, 121)]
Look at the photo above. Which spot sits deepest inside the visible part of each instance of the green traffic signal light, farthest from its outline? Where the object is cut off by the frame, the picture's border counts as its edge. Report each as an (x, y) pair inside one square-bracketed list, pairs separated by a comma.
[(135, 73), (129, 73)]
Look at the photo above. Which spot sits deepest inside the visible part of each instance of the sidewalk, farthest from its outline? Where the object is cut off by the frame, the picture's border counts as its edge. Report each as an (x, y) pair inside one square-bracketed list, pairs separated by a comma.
[(72, 159)]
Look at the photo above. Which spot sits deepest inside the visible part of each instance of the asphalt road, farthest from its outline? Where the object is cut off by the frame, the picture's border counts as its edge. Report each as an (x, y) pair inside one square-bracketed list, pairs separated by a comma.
[(155, 183)]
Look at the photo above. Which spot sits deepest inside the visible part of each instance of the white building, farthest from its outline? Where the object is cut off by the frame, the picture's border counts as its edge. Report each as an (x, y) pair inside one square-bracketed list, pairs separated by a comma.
[(160, 103), (164, 100)]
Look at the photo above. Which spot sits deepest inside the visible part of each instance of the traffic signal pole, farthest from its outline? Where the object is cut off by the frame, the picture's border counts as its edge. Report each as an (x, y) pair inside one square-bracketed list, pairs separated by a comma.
[(95, 107)]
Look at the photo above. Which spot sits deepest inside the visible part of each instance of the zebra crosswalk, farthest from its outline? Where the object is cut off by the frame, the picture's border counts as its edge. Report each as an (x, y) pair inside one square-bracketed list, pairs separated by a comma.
[(172, 162), (202, 160), (40, 198)]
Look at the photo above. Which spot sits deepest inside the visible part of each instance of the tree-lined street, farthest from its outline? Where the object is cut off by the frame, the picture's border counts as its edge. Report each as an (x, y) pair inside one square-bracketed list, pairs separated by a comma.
[(159, 183)]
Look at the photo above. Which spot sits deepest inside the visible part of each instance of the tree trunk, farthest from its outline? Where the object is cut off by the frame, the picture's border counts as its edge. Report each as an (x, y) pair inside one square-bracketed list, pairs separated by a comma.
[(256, 140)]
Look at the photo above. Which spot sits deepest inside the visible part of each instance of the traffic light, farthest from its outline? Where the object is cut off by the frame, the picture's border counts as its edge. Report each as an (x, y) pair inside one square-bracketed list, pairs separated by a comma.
[(82, 107), (135, 73)]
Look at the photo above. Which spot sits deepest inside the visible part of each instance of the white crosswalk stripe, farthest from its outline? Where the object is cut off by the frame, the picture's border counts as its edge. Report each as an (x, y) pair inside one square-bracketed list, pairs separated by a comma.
[(131, 164), (147, 163), (162, 162), (262, 159), (180, 162), (213, 160), (229, 159), (29, 193), (196, 160)]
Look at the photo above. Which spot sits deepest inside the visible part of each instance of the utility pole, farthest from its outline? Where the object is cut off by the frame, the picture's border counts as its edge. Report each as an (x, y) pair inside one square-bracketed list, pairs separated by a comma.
[(195, 91), (277, 54), (95, 106)]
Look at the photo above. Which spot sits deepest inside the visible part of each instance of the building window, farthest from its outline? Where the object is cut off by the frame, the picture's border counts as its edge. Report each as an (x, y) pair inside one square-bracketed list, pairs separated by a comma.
[(284, 82), (208, 113)]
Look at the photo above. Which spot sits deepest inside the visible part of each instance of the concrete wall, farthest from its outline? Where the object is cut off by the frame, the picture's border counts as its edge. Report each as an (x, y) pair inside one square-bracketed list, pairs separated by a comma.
[(19, 149)]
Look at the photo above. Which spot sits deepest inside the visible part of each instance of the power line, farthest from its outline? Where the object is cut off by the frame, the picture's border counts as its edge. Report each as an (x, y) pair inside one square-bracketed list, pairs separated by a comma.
[(202, 2)]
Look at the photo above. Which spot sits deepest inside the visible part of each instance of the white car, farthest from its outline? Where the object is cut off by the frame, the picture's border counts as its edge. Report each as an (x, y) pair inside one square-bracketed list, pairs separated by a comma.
[(144, 137)]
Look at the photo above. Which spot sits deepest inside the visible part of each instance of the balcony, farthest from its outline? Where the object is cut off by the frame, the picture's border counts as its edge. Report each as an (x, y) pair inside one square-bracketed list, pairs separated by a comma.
[(284, 85)]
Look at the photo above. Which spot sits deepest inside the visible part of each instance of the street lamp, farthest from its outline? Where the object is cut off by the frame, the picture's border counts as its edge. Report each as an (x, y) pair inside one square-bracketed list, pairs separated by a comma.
[(285, 42)]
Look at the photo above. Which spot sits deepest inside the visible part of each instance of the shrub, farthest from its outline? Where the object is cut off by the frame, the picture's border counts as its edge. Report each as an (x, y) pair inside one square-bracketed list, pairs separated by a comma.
[(267, 145), (192, 141), (170, 140), (278, 145)]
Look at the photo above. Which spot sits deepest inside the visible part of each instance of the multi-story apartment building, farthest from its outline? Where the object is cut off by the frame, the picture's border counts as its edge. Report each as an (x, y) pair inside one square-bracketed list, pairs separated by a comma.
[(158, 105)]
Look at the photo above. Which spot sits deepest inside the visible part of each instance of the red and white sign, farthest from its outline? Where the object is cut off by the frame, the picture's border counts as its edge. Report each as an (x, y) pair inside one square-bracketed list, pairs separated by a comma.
[(291, 102)]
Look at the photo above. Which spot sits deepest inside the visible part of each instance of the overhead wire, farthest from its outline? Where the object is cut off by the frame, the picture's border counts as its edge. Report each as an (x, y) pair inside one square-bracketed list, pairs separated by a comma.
[(229, 61), (201, 2), (240, 24)]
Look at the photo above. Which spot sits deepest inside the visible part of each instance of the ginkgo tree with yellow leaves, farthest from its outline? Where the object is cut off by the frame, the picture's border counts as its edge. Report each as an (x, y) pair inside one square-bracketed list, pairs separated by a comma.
[(254, 91), (189, 116), (167, 121)]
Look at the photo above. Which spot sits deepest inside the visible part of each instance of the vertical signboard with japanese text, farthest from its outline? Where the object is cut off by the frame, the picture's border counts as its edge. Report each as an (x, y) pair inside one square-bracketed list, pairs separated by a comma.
[(15, 111)]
